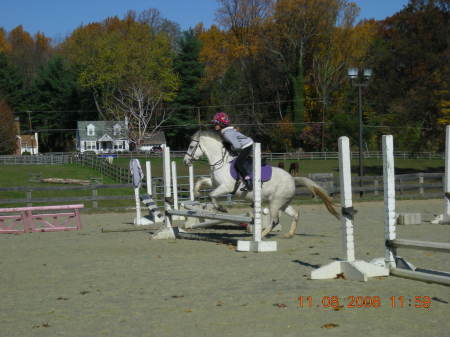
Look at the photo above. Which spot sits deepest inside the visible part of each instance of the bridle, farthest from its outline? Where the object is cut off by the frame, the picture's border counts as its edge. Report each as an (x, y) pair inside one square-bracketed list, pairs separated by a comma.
[(197, 145), (215, 166)]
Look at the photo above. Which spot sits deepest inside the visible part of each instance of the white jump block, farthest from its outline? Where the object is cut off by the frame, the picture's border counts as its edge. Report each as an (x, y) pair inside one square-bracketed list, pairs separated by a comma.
[(352, 270), (143, 221), (165, 233), (439, 220), (409, 219), (191, 222), (256, 246)]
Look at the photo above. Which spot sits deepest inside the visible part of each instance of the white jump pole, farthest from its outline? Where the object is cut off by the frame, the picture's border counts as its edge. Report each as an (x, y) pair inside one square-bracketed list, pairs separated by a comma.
[(350, 268), (175, 185), (191, 183), (175, 191), (389, 197), (148, 174), (138, 220), (166, 232), (257, 245), (446, 215)]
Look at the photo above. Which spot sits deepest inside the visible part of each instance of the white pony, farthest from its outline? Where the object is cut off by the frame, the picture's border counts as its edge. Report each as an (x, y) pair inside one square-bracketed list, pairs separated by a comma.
[(278, 191)]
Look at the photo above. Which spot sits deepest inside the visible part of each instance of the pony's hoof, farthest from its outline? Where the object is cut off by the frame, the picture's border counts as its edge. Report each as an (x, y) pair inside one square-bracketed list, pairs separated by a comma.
[(222, 209), (288, 236)]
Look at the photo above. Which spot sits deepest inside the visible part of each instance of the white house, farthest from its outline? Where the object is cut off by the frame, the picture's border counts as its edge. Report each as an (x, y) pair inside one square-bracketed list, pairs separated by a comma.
[(102, 136)]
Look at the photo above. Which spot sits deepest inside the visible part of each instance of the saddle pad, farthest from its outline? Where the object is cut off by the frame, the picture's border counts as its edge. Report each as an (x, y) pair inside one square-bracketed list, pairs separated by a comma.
[(266, 171)]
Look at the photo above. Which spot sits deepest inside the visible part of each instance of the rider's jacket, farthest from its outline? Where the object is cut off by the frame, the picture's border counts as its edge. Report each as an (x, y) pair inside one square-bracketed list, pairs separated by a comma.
[(237, 140)]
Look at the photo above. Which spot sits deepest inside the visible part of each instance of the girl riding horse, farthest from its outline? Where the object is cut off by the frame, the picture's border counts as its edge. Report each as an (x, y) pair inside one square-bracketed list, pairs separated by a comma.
[(240, 144)]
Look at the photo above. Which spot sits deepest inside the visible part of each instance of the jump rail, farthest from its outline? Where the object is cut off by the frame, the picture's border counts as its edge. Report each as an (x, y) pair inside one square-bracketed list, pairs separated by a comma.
[(40, 219)]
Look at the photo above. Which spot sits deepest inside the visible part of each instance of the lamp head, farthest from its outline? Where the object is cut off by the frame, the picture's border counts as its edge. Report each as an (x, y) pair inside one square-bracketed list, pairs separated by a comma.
[(352, 72)]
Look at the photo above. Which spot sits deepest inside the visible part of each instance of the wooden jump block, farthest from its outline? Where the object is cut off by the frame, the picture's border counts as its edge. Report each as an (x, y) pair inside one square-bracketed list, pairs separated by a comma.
[(40, 219), (409, 219)]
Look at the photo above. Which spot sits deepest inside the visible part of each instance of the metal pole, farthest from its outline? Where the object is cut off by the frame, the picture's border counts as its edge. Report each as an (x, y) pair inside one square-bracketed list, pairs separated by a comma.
[(361, 171)]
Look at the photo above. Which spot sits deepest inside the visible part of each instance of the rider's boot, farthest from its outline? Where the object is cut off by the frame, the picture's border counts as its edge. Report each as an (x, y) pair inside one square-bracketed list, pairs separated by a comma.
[(248, 184)]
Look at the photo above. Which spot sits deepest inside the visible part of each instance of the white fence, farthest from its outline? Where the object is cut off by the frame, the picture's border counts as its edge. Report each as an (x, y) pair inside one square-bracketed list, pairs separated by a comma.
[(62, 158)]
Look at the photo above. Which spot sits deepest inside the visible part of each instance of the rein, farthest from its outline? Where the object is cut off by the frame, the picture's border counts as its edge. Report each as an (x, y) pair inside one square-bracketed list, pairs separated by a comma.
[(215, 166)]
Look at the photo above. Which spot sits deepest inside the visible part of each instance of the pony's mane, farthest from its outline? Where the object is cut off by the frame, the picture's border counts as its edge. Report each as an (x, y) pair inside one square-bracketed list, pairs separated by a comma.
[(207, 133)]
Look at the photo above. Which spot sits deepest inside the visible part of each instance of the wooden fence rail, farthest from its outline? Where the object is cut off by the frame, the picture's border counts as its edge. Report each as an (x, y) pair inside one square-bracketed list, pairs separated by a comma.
[(420, 185)]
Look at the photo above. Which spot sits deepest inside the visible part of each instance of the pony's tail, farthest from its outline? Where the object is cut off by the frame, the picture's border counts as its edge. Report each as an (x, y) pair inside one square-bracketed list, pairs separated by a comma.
[(199, 183), (320, 192)]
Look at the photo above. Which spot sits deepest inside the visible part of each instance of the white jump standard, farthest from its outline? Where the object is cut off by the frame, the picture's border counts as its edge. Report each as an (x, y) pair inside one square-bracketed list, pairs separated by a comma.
[(137, 175), (350, 268), (398, 266), (445, 217)]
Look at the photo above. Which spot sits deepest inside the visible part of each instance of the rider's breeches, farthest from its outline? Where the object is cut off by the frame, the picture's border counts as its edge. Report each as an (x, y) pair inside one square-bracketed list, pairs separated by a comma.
[(240, 161)]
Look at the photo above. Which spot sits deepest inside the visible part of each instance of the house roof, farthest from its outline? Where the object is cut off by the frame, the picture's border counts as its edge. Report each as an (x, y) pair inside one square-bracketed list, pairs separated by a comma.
[(157, 138), (27, 140), (103, 129)]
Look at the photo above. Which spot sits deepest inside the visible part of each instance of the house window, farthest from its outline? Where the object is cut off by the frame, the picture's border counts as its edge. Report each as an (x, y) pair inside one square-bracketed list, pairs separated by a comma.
[(117, 129), (118, 145), (89, 145), (91, 130)]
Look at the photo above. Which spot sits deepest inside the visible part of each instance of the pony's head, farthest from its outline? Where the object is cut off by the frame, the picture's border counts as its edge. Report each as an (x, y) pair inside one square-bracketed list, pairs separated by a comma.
[(202, 143)]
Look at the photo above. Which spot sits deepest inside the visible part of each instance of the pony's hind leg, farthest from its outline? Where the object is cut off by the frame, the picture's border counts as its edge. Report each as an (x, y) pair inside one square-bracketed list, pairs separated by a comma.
[(274, 208), (289, 210)]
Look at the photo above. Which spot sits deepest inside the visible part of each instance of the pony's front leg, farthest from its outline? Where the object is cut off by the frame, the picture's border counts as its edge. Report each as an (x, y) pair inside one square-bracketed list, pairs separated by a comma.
[(219, 191)]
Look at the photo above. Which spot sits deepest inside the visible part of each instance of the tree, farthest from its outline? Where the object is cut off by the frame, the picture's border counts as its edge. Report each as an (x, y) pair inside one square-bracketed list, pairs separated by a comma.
[(294, 36), (11, 84), (190, 71), (28, 53), (56, 101), (7, 129), (158, 24), (128, 68), (5, 47), (412, 71)]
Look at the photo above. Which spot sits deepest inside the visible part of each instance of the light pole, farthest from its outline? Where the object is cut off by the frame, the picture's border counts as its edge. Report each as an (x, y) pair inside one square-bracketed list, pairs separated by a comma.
[(360, 79)]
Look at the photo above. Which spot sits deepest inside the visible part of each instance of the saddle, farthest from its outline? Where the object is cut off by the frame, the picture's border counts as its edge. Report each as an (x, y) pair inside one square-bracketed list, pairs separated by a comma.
[(266, 170)]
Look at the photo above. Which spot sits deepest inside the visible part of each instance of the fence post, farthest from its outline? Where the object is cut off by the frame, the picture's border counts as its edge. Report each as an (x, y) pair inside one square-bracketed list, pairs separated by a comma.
[(29, 197), (94, 198), (376, 184), (154, 187), (421, 183)]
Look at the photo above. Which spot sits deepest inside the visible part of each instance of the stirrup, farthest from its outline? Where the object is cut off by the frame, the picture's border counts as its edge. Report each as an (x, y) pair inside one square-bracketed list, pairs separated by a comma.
[(247, 186)]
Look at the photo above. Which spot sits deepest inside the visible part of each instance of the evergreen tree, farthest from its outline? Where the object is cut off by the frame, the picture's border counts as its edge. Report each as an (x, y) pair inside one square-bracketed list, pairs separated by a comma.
[(7, 129), (189, 70), (57, 102), (11, 84)]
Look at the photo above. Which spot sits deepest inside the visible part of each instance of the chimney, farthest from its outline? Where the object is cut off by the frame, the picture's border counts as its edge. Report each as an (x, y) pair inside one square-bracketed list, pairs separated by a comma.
[(17, 125), (37, 144)]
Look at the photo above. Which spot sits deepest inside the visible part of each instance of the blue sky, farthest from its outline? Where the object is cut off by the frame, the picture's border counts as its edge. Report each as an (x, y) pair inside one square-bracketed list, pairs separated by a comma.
[(58, 18)]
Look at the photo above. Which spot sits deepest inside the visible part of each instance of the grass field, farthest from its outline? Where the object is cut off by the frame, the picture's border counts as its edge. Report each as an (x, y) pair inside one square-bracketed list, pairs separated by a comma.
[(19, 175), (371, 166)]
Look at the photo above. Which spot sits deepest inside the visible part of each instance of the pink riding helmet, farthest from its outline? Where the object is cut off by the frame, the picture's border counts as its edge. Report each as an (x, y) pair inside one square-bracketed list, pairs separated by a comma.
[(221, 118)]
